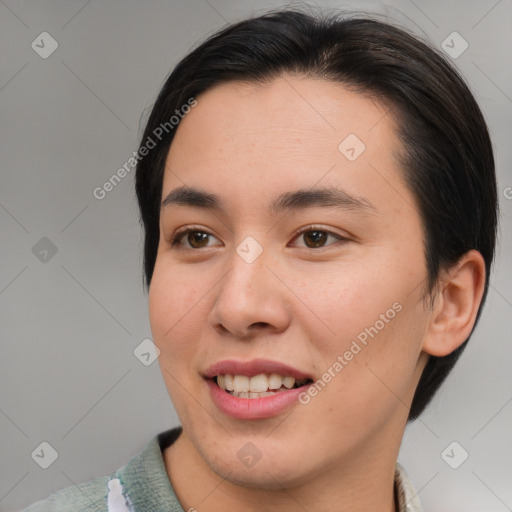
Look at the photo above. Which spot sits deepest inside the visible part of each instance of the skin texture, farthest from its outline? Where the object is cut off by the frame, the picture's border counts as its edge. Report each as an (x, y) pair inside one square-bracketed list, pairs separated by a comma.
[(296, 303)]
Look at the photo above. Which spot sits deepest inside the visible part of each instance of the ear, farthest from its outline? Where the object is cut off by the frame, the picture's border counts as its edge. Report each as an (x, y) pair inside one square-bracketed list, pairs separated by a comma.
[(456, 305)]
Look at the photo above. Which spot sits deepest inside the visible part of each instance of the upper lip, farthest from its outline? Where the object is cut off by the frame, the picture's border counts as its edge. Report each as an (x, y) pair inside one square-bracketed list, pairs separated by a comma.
[(253, 367)]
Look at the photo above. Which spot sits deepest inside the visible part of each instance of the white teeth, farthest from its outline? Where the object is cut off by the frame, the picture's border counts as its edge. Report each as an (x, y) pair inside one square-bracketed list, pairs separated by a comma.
[(254, 395), (258, 383), (288, 382), (241, 383), (275, 381), (228, 382), (257, 386)]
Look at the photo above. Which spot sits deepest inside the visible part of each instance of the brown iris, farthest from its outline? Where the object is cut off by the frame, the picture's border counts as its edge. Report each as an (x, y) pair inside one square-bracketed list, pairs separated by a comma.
[(197, 237), (317, 237)]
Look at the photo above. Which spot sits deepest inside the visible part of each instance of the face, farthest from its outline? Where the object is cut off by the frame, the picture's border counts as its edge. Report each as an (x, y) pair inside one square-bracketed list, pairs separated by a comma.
[(326, 289)]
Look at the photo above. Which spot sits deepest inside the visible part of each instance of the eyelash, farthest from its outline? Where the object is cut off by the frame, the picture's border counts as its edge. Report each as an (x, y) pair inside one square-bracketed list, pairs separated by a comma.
[(181, 234)]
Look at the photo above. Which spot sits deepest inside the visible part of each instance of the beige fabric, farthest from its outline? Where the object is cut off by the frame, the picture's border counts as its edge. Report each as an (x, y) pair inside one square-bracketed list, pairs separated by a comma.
[(408, 500)]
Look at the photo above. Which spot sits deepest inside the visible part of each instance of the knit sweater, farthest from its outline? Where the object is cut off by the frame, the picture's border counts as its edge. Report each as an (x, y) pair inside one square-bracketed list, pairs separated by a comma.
[(142, 485)]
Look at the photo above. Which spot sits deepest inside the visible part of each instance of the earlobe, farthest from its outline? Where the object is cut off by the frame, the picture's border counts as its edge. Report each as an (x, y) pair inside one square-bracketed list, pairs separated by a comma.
[(456, 305)]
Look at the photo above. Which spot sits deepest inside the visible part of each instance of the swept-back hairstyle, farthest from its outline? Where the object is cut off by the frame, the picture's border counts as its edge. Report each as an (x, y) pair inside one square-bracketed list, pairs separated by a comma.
[(445, 156)]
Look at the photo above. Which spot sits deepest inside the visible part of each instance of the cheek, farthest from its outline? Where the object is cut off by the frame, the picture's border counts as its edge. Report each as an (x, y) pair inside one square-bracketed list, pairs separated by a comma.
[(378, 364), (174, 300), (347, 300), (377, 326)]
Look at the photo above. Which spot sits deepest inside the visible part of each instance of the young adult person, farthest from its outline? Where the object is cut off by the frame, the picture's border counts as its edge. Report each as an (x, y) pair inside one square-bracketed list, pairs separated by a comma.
[(319, 231)]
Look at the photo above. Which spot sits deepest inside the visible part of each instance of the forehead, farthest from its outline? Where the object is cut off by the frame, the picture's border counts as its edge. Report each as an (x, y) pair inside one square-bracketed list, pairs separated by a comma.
[(291, 109), (264, 138)]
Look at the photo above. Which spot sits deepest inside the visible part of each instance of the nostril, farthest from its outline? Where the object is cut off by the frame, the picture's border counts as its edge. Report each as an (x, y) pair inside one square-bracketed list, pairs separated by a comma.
[(259, 324)]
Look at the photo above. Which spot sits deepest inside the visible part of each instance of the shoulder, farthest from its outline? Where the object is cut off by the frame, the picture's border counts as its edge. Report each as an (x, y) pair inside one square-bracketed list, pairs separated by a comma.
[(84, 497), (141, 484)]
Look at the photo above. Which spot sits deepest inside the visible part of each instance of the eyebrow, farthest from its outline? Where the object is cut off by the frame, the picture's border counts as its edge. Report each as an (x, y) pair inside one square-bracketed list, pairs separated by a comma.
[(295, 200)]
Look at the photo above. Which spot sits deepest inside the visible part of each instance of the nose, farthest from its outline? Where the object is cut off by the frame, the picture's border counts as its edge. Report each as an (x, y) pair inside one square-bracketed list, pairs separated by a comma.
[(250, 299)]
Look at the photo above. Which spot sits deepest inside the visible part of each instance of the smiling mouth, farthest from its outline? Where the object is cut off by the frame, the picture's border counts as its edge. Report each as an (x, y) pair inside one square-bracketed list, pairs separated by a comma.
[(258, 386)]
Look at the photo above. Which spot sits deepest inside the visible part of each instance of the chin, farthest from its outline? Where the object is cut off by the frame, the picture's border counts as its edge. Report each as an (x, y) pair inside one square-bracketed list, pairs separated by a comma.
[(269, 466), (266, 476)]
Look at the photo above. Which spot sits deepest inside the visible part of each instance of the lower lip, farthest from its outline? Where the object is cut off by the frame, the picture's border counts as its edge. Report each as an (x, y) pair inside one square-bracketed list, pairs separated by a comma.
[(253, 408)]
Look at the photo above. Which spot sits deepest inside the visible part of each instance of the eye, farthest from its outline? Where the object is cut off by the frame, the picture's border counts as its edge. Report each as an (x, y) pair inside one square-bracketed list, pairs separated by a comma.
[(196, 238), (314, 237)]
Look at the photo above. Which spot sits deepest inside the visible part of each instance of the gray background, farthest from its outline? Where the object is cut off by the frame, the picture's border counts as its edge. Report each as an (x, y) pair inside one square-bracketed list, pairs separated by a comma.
[(70, 324)]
